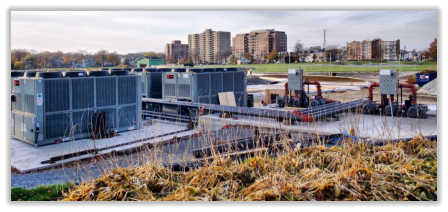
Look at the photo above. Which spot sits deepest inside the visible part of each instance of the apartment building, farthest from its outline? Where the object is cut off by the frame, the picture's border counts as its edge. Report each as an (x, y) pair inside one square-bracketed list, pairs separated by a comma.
[(376, 49), (259, 43), (209, 46), (176, 49)]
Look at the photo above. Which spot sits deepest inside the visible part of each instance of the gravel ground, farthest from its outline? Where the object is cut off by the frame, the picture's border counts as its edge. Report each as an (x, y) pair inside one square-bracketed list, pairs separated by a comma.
[(92, 169), (430, 88)]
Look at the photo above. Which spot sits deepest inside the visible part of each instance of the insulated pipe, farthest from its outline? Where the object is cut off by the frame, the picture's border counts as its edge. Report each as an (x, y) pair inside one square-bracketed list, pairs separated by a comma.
[(334, 110), (326, 107), (371, 86), (414, 91)]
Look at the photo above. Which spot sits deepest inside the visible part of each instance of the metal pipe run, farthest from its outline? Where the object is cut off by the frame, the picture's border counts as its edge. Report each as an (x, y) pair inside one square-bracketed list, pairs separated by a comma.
[(371, 86), (414, 91), (342, 107)]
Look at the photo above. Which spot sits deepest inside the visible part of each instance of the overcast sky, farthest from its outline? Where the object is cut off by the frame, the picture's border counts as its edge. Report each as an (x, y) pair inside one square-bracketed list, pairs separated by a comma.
[(141, 31)]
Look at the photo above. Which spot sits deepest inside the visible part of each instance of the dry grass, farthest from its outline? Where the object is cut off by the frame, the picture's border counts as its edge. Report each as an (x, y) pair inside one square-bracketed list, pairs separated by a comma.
[(355, 171)]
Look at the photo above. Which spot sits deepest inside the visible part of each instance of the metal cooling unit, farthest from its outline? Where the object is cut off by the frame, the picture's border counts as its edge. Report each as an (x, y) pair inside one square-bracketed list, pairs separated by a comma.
[(204, 87), (50, 108)]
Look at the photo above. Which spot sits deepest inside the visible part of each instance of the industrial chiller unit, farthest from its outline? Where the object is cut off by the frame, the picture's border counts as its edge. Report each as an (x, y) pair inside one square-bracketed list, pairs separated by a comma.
[(54, 106), (203, 86)]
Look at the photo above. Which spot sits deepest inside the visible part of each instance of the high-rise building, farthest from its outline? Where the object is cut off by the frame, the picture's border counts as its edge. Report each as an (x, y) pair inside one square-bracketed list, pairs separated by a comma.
[(259, 43), (176, 50), (374, 50), (209, 46)]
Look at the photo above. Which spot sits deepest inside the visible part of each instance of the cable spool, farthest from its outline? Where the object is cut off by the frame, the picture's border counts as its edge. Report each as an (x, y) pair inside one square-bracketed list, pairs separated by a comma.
[(178, 70), (98, 73), (119, 73), (74, 74), (49, 75), (17, 74), (127, 69), (232, 69), (115, 69)]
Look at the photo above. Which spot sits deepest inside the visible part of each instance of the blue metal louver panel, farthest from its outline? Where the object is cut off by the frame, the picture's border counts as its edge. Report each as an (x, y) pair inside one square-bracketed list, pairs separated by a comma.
[(227, 81), (57, 95), (128, 116), (106, 91), (205, 100), (203, 84), (82, 122), (238, 82), (127, 85), (111, 118), (82, 93), (156, 85), (57, 126), (216, 83)]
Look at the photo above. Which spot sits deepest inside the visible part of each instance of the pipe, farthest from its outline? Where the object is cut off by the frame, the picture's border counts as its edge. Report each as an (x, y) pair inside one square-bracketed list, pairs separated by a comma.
[(414, 91), (319, 91), (371, 86), (334, 110)]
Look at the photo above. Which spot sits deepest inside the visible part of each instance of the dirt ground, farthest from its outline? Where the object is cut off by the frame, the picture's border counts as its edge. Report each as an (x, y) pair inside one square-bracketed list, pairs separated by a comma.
[(351, 95)]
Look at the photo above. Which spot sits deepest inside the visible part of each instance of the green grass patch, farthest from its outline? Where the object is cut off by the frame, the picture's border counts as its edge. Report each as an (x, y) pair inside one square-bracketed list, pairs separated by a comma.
[(40, 193), (327, 67)]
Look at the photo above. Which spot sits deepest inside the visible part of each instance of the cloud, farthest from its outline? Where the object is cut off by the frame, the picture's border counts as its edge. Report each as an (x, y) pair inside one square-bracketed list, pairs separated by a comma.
[(137, 31)]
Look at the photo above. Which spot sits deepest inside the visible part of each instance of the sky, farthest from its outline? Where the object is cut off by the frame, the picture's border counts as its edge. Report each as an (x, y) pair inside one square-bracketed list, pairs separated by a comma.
[(143, 31)]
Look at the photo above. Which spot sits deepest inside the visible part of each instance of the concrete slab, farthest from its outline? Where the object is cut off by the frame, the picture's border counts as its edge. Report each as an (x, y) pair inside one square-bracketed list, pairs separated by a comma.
[(26, 158), (366, 126)]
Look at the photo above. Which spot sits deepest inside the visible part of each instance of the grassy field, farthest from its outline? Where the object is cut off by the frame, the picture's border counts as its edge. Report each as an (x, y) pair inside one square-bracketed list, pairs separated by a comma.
[(40, 193), (327, 67)]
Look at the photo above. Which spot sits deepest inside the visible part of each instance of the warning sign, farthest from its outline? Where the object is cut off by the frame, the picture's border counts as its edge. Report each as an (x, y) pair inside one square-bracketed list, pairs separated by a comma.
[(39, 96)]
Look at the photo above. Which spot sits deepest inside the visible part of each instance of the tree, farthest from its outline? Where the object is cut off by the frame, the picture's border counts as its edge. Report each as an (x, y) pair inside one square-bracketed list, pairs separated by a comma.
[(331, 51), (273, 55), (20, 53), (13, 58), (18, 66), (314, 57), (66, 59), (249, 56), (58, 55), (170, 59), (78, 57), (298, 46), (32, 59), (113, 58), (182, 61), (12, 66), (150, 54), (101, 56), (433, 49)]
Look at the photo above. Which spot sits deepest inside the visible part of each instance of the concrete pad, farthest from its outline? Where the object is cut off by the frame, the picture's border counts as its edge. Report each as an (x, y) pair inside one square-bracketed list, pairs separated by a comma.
[(25, 158), (366, 126)]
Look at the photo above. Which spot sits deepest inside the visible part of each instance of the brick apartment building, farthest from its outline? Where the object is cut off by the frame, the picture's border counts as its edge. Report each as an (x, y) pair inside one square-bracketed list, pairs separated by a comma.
[(259, 43), (376, 49), (176, 49), (209, 46)]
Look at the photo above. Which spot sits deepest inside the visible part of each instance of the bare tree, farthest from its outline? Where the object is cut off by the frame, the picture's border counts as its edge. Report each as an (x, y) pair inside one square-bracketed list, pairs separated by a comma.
[(20, 53), (298, 46), (101, 56)]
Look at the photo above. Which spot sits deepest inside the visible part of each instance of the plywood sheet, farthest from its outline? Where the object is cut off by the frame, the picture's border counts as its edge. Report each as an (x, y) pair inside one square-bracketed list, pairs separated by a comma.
[(227, 98)]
